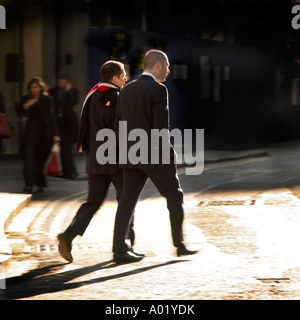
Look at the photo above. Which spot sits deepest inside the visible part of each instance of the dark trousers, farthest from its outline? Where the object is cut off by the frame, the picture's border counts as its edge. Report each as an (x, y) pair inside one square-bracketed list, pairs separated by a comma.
[(66, 150), (34, 167), (97, 191), (166, 180)]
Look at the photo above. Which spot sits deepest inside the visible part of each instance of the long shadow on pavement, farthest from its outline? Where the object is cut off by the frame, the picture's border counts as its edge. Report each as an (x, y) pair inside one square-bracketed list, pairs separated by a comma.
[(35, 282)]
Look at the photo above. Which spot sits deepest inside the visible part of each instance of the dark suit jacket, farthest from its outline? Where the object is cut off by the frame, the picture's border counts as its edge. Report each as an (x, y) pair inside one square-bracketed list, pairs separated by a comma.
[(98, 112), (143, 104), (69, 100)]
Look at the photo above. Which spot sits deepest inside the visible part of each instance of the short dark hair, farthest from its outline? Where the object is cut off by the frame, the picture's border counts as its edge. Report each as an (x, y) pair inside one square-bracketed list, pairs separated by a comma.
[(110, 69), (63, 76)]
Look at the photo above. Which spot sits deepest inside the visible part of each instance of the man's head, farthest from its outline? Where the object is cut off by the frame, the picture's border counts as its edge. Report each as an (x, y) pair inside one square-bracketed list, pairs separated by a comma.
[(113, 72), (63, 80), (157, 63)]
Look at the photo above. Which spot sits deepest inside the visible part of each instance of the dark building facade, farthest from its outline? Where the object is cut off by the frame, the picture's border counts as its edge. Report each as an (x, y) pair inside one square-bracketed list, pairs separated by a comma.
[(235, 64)]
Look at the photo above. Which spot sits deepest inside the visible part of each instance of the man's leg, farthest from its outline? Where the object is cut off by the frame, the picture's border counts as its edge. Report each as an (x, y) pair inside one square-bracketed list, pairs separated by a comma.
[(133, 183), (166, 180), (29, 170), (117, 181), (98, 186), (67, 159)]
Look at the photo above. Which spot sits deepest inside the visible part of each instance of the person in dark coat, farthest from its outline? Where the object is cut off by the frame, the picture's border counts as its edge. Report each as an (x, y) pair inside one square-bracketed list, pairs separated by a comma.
[(39, 133), (65, 98), (98, 112), (143, 105), (2, 110), (2, 103)]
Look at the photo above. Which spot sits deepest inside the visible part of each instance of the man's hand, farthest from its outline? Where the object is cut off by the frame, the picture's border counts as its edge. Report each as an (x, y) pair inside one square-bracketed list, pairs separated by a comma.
[(56, 139), (68, 86)]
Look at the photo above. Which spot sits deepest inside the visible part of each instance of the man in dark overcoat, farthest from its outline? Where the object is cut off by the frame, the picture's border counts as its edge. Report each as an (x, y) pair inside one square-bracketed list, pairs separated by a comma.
[(98, 112), (65, 98)]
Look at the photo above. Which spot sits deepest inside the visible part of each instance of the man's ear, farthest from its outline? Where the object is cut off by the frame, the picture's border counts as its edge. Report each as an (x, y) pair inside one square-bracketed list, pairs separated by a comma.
[(157, 66), (114, 79)]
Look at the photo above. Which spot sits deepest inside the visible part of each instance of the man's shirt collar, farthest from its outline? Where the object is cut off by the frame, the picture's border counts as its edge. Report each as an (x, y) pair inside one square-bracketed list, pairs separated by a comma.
[(149, 74)]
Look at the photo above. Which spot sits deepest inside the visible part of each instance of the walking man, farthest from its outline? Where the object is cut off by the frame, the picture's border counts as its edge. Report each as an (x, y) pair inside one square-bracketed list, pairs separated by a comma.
[(98, 112), (65, 98), (143, 104)]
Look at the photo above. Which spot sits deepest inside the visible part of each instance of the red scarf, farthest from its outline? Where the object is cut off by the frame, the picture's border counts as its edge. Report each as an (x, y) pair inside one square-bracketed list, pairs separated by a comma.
[(102, 87)]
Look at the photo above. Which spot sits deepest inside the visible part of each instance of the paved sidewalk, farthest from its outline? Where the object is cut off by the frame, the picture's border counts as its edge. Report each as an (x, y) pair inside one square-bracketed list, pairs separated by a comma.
[(13, 201), (11, 205)]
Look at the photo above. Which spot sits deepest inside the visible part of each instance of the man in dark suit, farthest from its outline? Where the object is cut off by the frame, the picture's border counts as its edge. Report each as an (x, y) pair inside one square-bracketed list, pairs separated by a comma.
[(143, 104), (65, 98), (98, 112)]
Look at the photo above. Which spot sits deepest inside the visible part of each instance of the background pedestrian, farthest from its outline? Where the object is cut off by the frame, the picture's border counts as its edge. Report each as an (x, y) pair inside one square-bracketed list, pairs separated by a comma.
[(65, 98), (39, 133)]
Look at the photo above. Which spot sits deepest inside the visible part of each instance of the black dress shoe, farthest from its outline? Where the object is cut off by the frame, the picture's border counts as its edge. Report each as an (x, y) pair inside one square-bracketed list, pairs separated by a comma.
[(127, 257), (65, 247), (183, 251), (139, 254)]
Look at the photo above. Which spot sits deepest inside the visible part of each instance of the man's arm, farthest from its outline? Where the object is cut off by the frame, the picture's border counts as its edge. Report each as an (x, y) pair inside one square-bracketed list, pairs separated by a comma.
[(71, 97), (160, 108)]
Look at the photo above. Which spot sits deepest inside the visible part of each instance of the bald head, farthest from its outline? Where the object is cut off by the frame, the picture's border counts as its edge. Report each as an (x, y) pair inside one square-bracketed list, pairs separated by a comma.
[(157, 63), (152, 57)]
